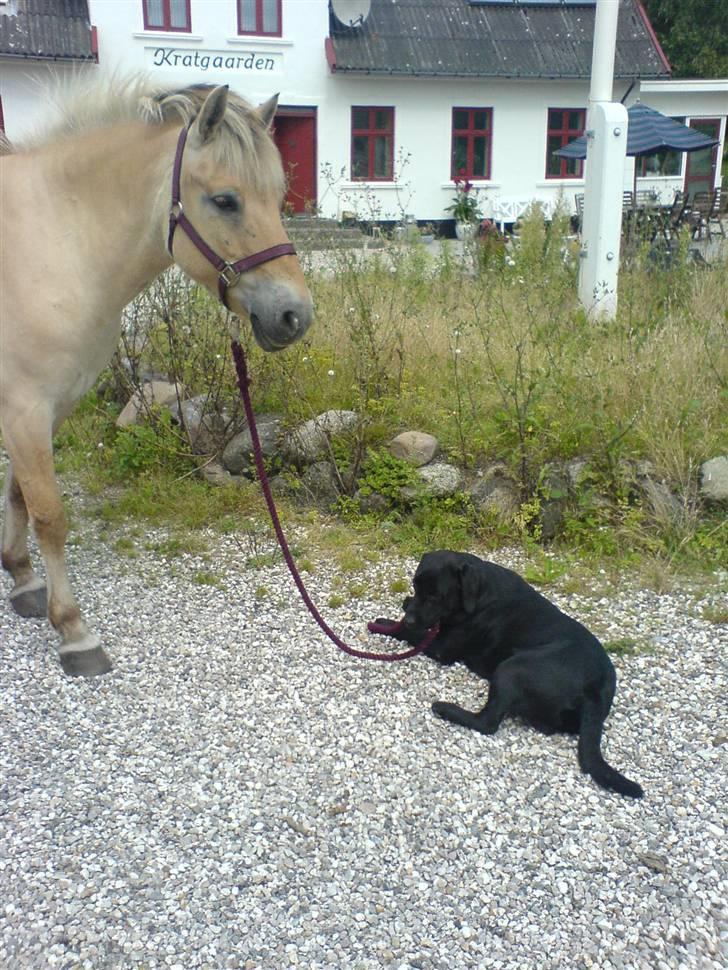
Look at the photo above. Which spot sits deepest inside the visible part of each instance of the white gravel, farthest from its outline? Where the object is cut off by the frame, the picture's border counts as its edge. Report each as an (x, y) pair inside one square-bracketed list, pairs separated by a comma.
[(239, 794)]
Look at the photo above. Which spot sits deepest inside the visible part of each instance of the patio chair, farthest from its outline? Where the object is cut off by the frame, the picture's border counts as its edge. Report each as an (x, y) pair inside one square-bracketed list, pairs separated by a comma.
[(579, 200), (718, 212), (668, 221), (699, 217)]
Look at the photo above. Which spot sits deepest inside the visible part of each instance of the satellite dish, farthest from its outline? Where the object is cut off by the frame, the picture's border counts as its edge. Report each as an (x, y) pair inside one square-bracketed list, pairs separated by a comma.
[(351, 13)]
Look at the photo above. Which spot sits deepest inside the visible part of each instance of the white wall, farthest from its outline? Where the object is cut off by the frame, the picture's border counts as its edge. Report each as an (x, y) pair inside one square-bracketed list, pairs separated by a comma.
[(295, 65), (422, 125)]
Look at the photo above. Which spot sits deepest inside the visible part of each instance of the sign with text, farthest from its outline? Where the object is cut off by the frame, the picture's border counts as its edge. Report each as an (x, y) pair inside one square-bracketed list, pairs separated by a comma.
[(240, 62)]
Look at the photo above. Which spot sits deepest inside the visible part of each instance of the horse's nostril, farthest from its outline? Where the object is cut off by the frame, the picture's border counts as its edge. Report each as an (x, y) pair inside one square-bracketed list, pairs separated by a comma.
[(291, 321)]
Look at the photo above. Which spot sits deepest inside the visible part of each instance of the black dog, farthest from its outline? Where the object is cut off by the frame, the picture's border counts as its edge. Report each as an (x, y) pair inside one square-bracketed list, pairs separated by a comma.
[(543, 666)]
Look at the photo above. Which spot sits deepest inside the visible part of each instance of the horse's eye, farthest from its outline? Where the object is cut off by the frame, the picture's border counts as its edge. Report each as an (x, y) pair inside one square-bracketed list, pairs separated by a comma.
[(225, 203)]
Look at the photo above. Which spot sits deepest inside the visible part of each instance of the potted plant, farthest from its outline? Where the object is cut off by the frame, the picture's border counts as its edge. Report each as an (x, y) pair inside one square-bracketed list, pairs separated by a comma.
[(427, 233), (465, 208)]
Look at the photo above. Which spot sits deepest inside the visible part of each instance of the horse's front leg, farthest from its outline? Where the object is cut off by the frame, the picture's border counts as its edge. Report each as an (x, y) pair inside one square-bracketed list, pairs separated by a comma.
[(28, 440), (28, 596)]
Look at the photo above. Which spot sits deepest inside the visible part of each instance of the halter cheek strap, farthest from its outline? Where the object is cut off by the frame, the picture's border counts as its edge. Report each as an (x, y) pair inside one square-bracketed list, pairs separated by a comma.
[(228, 273)]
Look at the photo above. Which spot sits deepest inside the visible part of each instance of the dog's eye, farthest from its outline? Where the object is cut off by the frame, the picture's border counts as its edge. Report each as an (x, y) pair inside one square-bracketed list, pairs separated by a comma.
[(226, 203)]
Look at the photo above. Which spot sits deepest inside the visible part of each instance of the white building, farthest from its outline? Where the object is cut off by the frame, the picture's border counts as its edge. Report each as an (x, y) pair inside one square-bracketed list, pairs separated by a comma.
[(379, 118)]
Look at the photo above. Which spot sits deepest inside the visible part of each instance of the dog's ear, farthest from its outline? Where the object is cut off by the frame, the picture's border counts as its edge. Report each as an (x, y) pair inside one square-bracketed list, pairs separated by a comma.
[(469, 587)]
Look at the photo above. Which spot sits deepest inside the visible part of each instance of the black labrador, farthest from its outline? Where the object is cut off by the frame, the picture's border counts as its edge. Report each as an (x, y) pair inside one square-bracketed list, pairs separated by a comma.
[(543, 665)]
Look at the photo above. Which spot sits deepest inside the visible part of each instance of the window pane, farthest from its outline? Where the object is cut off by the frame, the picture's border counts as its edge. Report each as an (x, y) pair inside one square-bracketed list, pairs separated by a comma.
[(575, 122), (247, 15), (553, 162), (459, 118), (178, 13), (270, 17), (573, 166), (382, 120), (459, 155), (556, 118), (480, 120), (382, 157), (360, 157), (479, 157), (155, 13), (671, 162), (360, 117)]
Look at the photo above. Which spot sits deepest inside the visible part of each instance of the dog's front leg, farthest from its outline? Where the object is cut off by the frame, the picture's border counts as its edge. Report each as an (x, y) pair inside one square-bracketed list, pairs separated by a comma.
[(445, 649)]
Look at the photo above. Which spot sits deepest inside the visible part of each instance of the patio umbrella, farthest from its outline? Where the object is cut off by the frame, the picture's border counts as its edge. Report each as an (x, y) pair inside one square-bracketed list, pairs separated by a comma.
[(647, 132)]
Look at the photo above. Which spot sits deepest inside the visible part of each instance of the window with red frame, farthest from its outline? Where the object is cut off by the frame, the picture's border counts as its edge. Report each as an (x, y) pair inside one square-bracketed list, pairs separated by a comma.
[(565, 124), (472, 133), (262, 17), (372, 144), (167, 15)]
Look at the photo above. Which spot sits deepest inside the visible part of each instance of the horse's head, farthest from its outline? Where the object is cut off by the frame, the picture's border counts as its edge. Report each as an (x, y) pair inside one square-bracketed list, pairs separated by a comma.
[(231, 189)]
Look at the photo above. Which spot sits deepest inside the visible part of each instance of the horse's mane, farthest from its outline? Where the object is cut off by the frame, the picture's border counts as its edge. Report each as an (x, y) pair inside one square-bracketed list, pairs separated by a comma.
[(81, 104)]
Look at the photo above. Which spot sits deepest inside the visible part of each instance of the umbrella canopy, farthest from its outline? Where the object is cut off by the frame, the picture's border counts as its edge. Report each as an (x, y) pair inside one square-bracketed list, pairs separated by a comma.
[(648, 131)]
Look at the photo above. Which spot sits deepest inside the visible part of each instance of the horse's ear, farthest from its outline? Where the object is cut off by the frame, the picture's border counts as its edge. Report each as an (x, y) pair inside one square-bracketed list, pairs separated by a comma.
[(211, 114), (267, 112)]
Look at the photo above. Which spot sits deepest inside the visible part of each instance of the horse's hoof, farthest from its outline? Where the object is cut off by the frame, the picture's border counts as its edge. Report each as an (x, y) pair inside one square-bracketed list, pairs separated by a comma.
[(85, 663), (30, 600)]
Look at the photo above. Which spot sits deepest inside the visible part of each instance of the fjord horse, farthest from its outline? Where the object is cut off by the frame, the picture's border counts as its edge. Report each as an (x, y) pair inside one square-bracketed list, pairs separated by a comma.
[(129, 181)]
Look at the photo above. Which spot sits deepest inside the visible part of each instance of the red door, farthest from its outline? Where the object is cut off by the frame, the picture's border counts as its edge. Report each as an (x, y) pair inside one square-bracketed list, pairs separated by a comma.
[(700, 170), (294, 131)]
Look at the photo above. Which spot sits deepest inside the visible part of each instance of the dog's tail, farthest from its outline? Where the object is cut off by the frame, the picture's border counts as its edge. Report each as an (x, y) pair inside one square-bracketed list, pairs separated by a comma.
[(590, 755)]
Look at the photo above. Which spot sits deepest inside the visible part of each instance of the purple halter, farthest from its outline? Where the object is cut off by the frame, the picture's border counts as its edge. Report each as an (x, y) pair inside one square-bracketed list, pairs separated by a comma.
[(228, 273)]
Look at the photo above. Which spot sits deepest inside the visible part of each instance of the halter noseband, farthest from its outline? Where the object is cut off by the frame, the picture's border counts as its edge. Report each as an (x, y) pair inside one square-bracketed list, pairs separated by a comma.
[(228, 273)]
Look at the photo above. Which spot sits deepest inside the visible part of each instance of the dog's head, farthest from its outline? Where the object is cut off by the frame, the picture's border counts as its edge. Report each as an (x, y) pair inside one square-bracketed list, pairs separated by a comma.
[(447, 585)]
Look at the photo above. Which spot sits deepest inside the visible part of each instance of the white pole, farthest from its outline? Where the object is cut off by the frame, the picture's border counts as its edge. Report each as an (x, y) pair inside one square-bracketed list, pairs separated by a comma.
[(603, 185)]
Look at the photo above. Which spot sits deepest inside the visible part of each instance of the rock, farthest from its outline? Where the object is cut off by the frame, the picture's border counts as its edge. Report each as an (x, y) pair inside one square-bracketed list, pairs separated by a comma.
[(159, 393), (495, 491), (439, 479), (310, 440), (214, 474), (204, 427), (415, 447), (321, 482), (372, 503), (238, 454), (661, 502), (714, 479)]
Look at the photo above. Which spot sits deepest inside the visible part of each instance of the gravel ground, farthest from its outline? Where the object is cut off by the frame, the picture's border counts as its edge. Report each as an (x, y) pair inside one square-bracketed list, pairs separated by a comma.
[(239, 794)]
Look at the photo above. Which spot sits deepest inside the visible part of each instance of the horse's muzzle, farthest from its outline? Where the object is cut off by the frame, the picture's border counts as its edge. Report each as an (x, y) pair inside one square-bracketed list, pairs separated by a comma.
[(279, 316)]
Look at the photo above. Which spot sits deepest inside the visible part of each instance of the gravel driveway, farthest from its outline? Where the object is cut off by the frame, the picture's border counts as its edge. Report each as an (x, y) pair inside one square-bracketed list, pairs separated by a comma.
[(239, 794)]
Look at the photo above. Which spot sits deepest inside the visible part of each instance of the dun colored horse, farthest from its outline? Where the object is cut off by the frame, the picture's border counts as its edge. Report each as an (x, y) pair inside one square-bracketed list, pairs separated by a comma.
[(128, 182)]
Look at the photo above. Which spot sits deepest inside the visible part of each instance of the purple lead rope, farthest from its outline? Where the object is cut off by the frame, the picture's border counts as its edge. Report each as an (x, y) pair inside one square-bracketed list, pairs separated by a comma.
[(244, 385)]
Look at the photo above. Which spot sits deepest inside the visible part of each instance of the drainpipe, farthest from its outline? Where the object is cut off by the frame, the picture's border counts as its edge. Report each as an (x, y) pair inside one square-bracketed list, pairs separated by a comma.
[(606, 152)]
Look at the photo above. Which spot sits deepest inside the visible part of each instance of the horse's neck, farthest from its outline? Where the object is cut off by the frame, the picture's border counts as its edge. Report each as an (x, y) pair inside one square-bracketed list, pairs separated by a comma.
[(118, 180)]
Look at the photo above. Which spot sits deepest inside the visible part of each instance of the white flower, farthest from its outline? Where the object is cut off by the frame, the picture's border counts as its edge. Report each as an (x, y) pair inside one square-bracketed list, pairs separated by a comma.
[(458, 350), (331, 373)]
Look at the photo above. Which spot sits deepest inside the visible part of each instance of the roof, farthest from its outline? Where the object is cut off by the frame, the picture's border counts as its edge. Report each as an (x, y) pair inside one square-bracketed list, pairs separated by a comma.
[(42, 29), (457, 38)]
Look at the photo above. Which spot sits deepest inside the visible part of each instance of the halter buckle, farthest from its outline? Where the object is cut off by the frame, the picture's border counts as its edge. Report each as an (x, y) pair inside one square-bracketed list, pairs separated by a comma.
[(229, 275)]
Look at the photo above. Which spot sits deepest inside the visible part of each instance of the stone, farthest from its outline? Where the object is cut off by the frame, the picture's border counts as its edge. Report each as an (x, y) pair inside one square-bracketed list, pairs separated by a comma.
[(154, 393), (320, 482), (495, 491), (415, 447), (215, 474), (237, 455), (714, 479), (310, 440), (205, 428), (440, 480)]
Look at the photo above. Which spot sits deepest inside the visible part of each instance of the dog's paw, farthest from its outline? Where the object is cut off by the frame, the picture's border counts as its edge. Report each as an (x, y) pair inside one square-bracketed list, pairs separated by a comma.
[(448, 712)]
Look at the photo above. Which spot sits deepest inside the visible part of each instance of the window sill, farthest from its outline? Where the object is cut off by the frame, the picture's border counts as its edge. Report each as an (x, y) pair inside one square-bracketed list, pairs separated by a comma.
[(168, 35), (260, 40), (479, 184), (363, 184), (556, 183)]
